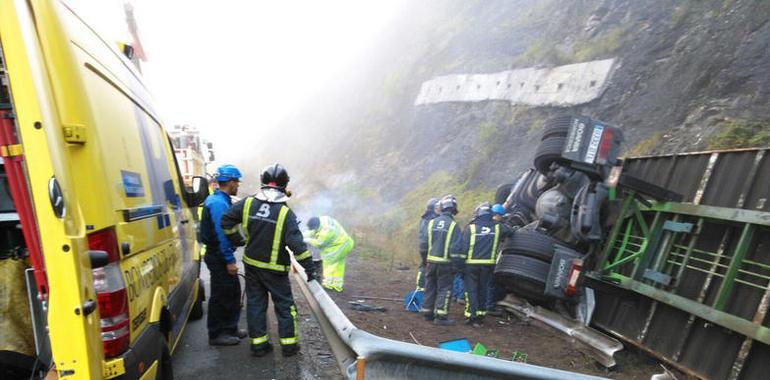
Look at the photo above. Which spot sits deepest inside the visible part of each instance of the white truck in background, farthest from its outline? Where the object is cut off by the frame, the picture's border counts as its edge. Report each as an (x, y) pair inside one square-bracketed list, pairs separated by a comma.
[(192, 152)]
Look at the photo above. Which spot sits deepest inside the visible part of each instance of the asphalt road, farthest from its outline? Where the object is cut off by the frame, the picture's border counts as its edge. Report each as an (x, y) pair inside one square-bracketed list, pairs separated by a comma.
[(195, 359)]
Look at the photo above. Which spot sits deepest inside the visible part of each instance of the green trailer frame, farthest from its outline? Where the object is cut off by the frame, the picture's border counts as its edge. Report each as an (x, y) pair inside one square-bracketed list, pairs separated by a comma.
[(709, 263)]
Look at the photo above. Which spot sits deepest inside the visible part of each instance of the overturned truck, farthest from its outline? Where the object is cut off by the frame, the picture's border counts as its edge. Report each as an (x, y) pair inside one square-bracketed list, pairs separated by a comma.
[(673, 250)]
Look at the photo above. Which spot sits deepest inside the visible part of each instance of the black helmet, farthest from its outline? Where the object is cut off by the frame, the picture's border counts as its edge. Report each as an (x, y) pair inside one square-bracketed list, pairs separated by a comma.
[(313, 223), (449, 203), (275, 176), (431, 205), (482, 209)]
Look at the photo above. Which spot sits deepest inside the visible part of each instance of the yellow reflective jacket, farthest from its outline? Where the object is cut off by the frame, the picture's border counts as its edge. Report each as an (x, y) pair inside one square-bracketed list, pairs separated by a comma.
[(328, 234)]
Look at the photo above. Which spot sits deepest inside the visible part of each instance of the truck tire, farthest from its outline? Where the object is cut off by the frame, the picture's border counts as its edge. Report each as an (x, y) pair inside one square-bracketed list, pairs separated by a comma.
[(197, 308), (523, 276), (548, 152), (502, 193), (556, 126), (530, 243)]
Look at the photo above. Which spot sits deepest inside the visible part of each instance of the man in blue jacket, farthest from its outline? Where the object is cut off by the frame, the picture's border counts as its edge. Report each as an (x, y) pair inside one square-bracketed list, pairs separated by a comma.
[(224, 302)]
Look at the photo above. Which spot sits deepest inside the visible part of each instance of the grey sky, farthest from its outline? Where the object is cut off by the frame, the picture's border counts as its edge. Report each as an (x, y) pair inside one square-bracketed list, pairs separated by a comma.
[(235, 68)]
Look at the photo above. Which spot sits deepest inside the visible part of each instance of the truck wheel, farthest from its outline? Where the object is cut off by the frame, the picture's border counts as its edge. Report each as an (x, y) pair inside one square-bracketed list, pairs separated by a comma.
[(522, 275), (556, 126), (548, 152), (530, 243), (502, 193), (197, 309)]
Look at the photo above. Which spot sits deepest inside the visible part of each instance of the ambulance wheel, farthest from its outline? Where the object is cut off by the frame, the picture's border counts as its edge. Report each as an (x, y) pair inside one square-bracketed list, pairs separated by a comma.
[(165, 368), (530, 243), (548, 152), (197, 308), (557, 126)]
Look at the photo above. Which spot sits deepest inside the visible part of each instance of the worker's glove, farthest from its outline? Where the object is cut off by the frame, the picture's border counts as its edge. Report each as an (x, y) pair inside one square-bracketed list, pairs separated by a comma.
[(312, 275)]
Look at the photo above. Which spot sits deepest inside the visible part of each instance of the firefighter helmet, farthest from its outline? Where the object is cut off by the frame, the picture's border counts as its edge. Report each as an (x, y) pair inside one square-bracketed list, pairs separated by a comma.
[(275, 176)]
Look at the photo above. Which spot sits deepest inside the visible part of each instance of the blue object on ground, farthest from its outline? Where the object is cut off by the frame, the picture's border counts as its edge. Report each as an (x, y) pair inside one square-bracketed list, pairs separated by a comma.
[(413, 301), (459, 345)]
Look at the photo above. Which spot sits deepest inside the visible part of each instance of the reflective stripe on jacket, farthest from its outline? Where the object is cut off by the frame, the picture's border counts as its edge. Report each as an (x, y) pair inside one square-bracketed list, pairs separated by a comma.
[(328, 234), (268, 229), (482, 238), (444, 240)]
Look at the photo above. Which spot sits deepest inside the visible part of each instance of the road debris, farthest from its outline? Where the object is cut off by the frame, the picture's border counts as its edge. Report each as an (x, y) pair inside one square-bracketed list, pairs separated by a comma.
[(377, 298), (414, 339), (360, 306), (519, 357), (459, 345)]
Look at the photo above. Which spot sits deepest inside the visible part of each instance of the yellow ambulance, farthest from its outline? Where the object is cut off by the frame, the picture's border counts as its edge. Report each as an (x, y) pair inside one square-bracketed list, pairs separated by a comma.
[(97, 225)]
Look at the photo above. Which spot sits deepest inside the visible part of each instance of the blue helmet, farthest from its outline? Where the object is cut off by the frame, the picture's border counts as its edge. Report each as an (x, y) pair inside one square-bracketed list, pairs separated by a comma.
[(498, 209), (227, 173)]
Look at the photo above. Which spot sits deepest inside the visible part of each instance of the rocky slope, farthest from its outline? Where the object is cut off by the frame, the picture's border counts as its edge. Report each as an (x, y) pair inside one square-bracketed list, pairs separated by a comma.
[(692, 75)]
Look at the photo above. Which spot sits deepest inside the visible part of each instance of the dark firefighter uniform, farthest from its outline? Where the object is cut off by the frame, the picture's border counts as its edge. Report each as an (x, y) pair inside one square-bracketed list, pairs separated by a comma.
[(426, 217), (269, 227), (481, 239), (444, 249), (224, 302)]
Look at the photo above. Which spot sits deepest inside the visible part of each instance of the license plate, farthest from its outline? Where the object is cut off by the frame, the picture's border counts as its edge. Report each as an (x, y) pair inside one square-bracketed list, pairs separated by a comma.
[(593, 146)]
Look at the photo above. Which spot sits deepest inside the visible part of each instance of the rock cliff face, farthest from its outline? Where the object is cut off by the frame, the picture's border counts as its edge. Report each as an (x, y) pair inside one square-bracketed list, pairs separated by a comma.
[(690, 75)]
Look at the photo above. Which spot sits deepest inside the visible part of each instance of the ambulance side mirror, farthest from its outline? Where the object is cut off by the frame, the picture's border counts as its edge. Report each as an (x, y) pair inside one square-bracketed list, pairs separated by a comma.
[(200, 190)]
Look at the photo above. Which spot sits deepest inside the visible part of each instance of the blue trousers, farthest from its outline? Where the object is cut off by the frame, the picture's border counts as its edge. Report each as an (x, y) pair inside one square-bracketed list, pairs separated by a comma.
[(225, 300)]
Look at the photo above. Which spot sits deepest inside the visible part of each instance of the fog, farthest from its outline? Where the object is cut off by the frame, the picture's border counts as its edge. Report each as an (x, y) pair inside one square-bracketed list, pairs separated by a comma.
[(237, 69)]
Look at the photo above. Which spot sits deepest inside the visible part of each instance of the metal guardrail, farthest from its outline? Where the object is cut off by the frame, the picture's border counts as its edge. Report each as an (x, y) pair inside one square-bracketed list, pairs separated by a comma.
[(363, 355)]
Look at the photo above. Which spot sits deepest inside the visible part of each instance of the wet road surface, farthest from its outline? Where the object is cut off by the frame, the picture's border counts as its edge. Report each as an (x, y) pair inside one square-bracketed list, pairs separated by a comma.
[(195, 359)]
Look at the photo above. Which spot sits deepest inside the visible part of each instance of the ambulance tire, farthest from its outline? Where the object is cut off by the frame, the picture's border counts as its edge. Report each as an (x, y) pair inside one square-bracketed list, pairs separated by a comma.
[(523, 276), (530, 243), (548, 152), (197, 308), (165, 368), (502, 193), (557, 126)]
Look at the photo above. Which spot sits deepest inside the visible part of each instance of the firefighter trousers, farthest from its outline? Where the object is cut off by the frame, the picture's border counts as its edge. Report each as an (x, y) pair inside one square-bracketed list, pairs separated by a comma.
[(438, 288), (225, 299), (420, 280), (260, 283), (478, 280)]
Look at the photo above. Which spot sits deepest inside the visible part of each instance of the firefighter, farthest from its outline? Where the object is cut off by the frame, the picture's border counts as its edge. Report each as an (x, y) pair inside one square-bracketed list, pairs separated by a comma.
[(328, 235), (430, 213), (481, 239), (224, 303), (444, 256), (269, 228)]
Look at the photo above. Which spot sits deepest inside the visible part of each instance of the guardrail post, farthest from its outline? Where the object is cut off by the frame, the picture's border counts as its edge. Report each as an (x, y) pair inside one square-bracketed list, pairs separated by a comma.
[(360, 368)]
